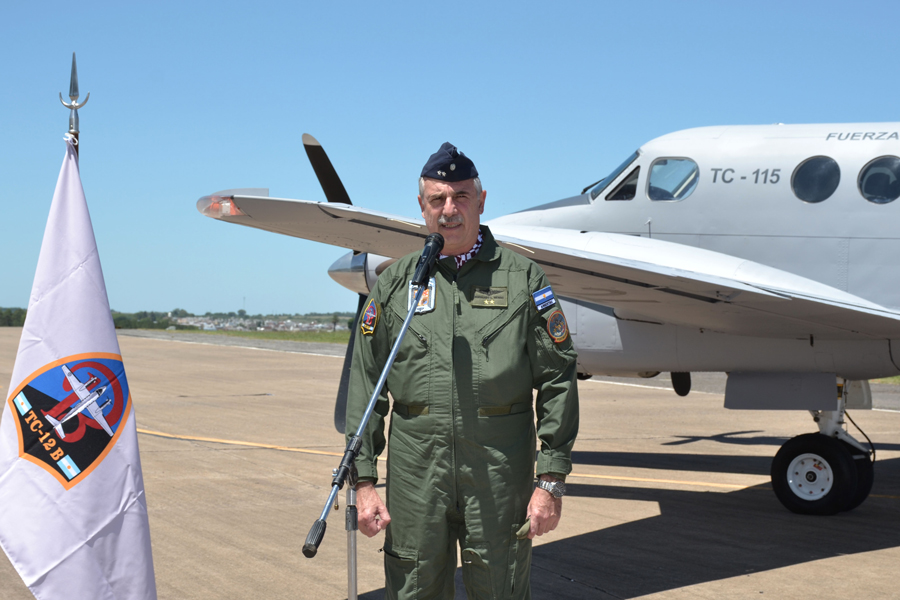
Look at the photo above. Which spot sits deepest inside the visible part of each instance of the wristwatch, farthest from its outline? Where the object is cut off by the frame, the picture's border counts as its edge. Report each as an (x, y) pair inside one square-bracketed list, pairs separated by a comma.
[(556, 488)]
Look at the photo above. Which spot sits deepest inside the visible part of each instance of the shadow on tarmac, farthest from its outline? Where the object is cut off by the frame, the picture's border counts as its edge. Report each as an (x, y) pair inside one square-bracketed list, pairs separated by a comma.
[(707, 536), (702, 536)]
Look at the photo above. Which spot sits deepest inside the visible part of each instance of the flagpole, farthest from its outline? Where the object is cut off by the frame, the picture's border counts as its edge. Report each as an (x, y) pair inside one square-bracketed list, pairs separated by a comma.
[(73, 105)]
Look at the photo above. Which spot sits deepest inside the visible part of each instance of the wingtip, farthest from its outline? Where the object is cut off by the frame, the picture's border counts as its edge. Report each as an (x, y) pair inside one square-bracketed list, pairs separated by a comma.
[(309, 140)]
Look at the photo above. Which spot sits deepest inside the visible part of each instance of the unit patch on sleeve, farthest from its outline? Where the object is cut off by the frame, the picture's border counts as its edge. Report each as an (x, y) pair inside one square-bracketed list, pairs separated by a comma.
[(544, 298), (557, 326), (426, 302), (494, 297), (369, 318)]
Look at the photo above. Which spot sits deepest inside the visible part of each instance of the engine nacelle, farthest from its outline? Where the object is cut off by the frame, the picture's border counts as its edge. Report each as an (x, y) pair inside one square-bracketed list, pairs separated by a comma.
[(358, 271)]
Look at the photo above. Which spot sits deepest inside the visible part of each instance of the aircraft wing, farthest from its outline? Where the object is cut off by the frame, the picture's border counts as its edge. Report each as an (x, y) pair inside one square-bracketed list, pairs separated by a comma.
[(77, 386), (658, 281), (97, 415), (640, 278), (330, 223)]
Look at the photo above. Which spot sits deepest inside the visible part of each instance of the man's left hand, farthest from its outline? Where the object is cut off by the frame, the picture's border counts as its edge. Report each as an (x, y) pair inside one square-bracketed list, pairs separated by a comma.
[(544, 511)]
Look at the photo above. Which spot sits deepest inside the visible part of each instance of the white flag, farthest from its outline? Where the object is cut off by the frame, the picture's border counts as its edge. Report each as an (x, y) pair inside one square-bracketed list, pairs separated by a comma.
[(73, 515)]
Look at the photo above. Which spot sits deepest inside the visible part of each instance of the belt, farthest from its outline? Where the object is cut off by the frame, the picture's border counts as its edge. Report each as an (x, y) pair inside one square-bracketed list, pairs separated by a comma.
[(484, 411), (496, 411)]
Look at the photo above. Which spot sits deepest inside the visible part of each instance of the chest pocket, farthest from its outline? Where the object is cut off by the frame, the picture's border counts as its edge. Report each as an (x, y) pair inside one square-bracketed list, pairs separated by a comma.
[(503, 371), (410, 376)]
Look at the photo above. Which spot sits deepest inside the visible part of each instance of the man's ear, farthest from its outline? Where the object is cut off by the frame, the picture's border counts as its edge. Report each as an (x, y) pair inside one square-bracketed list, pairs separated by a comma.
[(421, 205), (481, 208)]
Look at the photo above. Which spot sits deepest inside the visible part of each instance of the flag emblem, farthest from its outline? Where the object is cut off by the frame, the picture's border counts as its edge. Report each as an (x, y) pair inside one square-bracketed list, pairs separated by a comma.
[(543, 298), (69, 414)]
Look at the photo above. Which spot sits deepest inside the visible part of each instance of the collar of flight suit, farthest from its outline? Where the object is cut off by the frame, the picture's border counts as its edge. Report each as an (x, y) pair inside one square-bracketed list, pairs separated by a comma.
[(489, 251)]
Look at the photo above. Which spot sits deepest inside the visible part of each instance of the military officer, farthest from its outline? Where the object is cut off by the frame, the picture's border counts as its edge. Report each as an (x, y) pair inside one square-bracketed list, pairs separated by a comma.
[(487, 333)]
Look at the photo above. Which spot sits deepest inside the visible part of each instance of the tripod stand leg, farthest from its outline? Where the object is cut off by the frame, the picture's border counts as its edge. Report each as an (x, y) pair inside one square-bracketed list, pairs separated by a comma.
[(352, 527)]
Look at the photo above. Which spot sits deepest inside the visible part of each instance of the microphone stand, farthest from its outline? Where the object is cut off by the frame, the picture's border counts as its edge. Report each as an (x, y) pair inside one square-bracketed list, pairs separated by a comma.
[(347, 468)]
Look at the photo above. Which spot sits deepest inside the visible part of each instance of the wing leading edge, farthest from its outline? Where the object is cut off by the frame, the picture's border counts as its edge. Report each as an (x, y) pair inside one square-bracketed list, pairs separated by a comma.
[(640, 278)]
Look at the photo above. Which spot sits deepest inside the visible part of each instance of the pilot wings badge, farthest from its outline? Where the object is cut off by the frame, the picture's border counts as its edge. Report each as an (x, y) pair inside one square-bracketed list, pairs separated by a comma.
[(426, 302), (70, 414)]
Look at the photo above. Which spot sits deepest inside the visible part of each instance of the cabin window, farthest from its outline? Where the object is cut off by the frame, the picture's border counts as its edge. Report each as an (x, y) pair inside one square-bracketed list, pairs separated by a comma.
[(816, 179), (672, 178), (604, 183), (879, 181), (627, 189)]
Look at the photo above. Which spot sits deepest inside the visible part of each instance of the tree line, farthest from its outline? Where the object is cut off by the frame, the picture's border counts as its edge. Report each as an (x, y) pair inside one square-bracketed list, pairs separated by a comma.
[(12, 317), (15, 317)]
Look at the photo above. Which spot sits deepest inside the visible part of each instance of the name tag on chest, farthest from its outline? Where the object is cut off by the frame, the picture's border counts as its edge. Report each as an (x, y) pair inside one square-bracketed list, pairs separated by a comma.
[(426, 302), (493, 297)]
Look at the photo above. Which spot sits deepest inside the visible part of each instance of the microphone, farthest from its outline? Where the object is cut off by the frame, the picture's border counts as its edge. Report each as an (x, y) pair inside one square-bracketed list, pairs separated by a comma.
[(434, 243)]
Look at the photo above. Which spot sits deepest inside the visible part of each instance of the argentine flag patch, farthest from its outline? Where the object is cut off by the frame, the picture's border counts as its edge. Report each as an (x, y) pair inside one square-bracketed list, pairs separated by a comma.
[(543, 298), (68, 466)]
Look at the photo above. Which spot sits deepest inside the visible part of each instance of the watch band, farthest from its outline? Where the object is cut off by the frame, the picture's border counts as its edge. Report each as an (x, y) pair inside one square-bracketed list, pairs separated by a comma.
[(556, 488)]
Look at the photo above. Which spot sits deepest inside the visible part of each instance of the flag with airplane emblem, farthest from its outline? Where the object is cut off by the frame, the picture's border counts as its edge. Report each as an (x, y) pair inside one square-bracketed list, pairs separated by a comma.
[(73, 515)]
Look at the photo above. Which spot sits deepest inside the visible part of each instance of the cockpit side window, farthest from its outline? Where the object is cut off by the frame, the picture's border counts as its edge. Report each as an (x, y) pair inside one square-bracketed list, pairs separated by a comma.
[(606, 181), (672, 179), (879, 181), (627, 189)]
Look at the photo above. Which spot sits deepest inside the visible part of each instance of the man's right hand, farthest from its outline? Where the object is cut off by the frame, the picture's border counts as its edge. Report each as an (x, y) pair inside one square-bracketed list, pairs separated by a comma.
[(373, 515)]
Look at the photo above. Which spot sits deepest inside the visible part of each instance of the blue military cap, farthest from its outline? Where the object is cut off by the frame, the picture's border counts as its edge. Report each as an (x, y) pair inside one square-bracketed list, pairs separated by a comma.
[(449, 164)]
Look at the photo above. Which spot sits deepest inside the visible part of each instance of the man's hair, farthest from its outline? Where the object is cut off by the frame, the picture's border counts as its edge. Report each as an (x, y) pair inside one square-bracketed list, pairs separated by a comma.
[(476, 181)]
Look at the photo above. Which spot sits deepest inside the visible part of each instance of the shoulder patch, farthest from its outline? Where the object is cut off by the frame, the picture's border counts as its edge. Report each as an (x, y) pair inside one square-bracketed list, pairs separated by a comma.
[(369, 318), (557, 326), (543, 298)]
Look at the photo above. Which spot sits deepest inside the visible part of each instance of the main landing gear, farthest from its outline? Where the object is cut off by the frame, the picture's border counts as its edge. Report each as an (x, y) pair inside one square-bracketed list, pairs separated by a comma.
[(823, 473)]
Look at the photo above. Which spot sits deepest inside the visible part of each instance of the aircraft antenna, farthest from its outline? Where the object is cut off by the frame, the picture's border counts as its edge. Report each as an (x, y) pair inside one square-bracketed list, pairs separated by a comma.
[(73, 105)]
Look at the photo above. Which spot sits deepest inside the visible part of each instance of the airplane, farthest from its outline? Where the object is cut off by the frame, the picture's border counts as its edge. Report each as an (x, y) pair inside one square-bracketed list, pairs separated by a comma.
[(763, 251), (86, 400)]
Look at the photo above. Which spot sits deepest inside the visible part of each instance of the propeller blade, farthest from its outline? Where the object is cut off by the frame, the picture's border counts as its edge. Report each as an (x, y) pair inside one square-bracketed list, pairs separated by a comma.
[(340, 404), (328, 177)]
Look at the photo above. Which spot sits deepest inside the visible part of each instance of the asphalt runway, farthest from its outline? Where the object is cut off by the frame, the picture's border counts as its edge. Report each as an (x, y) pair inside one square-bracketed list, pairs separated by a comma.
[(669, 497)]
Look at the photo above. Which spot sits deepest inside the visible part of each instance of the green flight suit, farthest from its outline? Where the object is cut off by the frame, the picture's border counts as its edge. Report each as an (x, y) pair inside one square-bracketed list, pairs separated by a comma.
[(461, 462)]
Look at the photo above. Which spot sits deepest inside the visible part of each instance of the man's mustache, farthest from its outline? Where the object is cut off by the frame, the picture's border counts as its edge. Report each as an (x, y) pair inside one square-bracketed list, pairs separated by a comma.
[(442, 220)]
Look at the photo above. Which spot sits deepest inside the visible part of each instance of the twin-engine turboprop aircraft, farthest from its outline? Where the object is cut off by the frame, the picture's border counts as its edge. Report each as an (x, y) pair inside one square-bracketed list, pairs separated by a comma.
[(766, 252), (87, 400)]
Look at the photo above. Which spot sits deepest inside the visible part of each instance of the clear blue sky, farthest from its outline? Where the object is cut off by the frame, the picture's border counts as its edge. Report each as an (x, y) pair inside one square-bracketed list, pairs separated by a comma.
[(191, 98)]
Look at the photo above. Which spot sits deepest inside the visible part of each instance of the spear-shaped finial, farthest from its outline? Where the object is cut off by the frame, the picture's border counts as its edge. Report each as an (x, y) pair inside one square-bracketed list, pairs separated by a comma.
[(73, 81), (73, 106)]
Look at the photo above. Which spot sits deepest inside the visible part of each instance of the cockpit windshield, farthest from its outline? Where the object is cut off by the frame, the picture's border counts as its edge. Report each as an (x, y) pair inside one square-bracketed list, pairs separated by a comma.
[(604, 183)]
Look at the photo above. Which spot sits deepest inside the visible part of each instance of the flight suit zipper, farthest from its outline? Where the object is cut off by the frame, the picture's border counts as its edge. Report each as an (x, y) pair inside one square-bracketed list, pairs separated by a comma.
[(453, 395)]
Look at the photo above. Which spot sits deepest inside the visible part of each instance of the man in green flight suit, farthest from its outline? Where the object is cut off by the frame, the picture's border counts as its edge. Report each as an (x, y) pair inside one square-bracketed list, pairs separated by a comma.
[(487, 333)]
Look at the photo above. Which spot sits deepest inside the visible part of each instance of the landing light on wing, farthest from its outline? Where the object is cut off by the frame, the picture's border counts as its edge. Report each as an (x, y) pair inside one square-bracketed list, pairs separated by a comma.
[(218, 207)]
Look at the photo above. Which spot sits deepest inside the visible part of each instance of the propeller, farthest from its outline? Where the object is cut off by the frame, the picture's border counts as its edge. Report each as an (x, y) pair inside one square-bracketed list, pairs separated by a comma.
[(335, 192), (327, 176)]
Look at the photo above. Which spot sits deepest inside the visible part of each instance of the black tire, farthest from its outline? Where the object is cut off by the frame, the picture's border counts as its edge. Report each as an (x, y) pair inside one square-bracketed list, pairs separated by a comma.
[(681, 382), (823, 480), (865, 477)]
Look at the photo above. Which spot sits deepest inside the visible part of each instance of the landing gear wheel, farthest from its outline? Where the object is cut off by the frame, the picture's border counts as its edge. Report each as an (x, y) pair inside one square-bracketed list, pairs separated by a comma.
[(865, 477), (813, 474)]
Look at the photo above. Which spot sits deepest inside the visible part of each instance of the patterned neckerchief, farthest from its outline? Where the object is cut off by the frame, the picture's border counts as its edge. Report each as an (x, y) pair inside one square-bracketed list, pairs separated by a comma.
[(462, 259)]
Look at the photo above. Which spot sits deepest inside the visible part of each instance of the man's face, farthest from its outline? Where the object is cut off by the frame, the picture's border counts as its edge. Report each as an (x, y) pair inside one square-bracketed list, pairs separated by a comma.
[(452, 208)]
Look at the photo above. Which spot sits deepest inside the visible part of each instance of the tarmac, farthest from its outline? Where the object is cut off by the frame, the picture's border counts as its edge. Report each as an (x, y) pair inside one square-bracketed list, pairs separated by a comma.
[(669, 499)]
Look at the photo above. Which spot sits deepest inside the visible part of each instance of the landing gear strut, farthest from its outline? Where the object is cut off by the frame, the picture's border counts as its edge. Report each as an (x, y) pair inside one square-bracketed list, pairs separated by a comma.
[(823, 473)]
